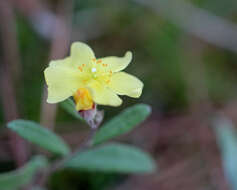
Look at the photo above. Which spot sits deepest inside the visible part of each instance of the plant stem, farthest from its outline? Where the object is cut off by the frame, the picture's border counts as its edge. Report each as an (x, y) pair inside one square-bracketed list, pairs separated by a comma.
[(86, 144), (44, 175)]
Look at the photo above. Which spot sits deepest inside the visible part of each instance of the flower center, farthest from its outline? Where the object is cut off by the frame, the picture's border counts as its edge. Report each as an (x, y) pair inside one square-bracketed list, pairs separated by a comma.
[(93, 70)]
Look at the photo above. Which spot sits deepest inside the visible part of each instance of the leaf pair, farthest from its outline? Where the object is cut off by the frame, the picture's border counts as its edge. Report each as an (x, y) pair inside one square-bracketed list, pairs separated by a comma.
[(43, 137), (113, 157), (121, 124)]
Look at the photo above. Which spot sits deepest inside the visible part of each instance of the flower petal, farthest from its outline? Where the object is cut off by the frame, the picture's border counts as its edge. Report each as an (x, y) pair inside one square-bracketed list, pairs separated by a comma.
[(81, 54), (116, 64), (62, 82), (126, 84), (102, 95)]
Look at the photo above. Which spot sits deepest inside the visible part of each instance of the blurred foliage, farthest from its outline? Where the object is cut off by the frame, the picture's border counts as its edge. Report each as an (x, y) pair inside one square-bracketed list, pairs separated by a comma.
[(88, 180), (34, 52), (15, 180), (159, 57)]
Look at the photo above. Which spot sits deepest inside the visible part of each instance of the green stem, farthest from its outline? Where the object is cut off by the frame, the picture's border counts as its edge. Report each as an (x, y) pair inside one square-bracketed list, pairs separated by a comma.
[(44, 175)]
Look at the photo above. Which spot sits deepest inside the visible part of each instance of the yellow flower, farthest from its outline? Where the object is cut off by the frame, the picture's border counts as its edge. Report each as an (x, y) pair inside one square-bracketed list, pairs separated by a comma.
[(90, 80)]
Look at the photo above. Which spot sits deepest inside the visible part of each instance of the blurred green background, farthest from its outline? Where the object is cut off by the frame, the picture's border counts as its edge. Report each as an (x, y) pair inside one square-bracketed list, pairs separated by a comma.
[(183, 51)]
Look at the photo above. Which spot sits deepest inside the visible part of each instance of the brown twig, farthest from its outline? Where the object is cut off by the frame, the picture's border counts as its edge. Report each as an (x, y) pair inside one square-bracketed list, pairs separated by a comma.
[(10, 61), (54, 27), (59, 48)]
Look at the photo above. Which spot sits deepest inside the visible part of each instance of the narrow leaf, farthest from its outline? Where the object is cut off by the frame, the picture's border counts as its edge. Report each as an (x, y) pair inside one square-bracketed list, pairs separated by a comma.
[(227, 141), (15, 179), (123, 123), (113, 158), (39, 135), (69, 106)]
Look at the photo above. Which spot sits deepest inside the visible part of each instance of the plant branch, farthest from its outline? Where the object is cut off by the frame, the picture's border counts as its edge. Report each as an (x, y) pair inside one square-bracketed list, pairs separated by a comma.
[(44, 175)]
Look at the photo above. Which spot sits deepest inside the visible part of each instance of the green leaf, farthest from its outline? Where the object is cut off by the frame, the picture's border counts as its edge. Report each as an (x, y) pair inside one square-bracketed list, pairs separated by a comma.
[(69, 106), (123, 123), (227, 140), (39, 135), (113, 158), (37, 188), (15, 179)]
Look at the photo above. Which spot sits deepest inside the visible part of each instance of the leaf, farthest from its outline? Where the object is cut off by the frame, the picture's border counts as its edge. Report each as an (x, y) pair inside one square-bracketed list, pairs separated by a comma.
[(39, 135), (227, 141), (123, 123), (69, 106), (15, 179), (113, 158), (37, 188)]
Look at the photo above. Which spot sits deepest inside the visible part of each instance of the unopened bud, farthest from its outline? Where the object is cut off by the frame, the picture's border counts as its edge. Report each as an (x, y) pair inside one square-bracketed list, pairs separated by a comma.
[(92, 116)]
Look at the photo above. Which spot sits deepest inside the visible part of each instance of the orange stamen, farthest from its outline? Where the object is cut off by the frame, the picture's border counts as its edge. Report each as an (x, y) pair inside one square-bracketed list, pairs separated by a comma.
[(99, 61), (80, 68)]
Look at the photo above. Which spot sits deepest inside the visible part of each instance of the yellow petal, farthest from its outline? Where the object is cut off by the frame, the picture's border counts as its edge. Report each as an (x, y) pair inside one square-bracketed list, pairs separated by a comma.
[(116, 64), (81, 54), (125, 84), (62, 82), (102, 95)]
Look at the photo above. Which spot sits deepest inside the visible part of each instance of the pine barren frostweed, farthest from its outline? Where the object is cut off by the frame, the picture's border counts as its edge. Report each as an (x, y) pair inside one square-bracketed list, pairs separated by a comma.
[(90, 80)]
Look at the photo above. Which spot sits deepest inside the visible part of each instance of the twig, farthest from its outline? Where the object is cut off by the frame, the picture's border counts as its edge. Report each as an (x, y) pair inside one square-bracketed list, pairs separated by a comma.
[(59, 47), (8, 30), (11, 58), (54, 27)]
